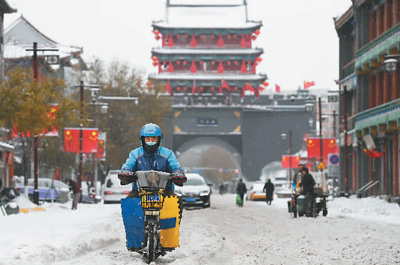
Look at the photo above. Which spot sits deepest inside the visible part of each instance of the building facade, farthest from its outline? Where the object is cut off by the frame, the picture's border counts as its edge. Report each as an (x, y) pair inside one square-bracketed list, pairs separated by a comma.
[(369, 33)]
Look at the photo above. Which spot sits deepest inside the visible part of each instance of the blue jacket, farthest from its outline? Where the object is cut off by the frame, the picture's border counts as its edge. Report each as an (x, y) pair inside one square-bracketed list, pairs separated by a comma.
[(162, 160)]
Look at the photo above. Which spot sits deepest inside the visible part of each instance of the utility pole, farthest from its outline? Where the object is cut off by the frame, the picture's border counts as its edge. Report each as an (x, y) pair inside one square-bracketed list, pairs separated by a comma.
[(81, 90), (290, 155), (35, 137), (320, 131)]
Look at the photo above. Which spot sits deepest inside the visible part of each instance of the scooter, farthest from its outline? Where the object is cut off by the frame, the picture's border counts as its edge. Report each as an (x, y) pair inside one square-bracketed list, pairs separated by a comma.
[(7, 201), (151, 220)]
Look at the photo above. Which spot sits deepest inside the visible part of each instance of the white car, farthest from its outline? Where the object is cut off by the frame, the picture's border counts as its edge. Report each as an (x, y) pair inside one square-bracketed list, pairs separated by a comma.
[(195, 192), (113, 191)]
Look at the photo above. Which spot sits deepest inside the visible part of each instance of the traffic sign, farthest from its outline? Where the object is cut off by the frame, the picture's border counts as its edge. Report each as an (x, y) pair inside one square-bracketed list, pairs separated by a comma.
[(321, 166), (334, 159)]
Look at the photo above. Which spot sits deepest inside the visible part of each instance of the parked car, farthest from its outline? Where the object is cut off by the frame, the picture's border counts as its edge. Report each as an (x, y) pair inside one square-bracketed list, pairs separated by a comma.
[(113, 191), (58, 192), (195, 192), (256, 192)]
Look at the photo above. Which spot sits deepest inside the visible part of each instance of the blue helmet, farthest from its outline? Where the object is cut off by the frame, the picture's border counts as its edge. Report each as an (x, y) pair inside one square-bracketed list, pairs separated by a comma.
[(150, 129)]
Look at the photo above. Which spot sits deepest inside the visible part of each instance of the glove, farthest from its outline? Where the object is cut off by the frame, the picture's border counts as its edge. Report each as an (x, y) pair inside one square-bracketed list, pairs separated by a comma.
[(127, 177), (178, 177)]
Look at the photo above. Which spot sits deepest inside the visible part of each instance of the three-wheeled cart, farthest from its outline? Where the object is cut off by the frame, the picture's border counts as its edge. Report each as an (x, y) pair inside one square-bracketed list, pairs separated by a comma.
[(297, 206)]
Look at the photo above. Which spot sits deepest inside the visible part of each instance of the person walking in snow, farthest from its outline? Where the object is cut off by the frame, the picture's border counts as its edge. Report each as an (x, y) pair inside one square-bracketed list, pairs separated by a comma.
[(269, 191), (76, 191), (241, 190), (307, 184)]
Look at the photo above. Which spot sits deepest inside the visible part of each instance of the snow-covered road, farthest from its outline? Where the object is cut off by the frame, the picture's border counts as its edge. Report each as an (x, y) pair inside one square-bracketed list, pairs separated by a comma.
[(355, 231)]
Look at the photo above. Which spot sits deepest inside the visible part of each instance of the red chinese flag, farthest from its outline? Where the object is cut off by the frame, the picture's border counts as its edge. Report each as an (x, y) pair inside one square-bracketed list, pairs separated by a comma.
[(308, 84), (89, 140), (328, 146), (71, 140), (277, 89), (286, 161), (100, 149), (313, 147)]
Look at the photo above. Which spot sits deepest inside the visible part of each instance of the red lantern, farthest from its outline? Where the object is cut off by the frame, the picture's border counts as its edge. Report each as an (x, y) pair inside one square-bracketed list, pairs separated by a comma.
[(156, 32), (212, 89), (228, 62), (253, 37), (201, 62), (236, 62), (249, 62), (185, 36), (178, 36), (157, 37), (235, 88), (212, 36), (259, 59), (178, 62), (185, 88), (154, 58), (201, 89), (164, 63), (154, 63), (184, 62), (235, 36), (228, 36), (257, 32), (201, 36), (178, 89), (212, 63), (265, 83)]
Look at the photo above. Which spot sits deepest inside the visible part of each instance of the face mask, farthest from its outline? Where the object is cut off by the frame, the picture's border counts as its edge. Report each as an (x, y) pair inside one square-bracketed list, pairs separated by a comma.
[(151, 143)]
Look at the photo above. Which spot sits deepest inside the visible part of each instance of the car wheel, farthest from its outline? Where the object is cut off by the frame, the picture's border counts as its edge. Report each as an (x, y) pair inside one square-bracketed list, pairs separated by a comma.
[(207, 204)]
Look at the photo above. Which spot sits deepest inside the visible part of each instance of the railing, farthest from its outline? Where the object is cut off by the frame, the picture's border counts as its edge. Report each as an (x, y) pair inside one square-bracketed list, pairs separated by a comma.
[(361, 191), (383, 110), (379, 40)]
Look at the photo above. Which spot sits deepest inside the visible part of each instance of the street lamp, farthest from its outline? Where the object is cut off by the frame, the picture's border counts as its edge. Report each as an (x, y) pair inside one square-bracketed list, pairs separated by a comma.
[(95, 94), (35, 137), (390, 62), (283, 136)]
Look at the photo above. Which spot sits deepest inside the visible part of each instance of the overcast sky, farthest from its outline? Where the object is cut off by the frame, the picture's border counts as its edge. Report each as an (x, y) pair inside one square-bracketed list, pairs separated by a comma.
[(298, 36)]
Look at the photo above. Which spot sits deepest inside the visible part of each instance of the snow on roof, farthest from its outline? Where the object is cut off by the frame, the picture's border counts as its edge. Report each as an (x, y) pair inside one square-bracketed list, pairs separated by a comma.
[(207, 51), (6, 146), (206, 2), (189, 76), (21, 35), (216, 16)]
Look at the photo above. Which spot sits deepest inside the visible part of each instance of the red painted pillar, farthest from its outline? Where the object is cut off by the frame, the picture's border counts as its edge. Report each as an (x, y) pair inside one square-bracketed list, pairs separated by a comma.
[(388, 15), (395, 84), (193, 68), (193, 42), (370, 168), (371, 91), (220, 67), (396, 11), (378, 88), (355, 177), (396, 177), (386, 94), (170, 67), (372, 23), (379, 26), (243, 43)]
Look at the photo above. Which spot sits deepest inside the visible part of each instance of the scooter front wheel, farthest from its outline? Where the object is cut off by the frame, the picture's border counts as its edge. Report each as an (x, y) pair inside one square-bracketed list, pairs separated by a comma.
[(151, 254)]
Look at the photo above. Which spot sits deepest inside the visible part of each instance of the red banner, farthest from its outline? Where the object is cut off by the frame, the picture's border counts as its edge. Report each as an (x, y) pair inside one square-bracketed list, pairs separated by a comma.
[(314, 149), (101, 146), (286, 161), (89, 140)]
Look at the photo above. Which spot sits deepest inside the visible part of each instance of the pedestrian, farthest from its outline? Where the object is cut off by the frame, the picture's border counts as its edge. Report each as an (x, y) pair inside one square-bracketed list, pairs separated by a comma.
[(297, 179), (307, 184), (269, 191), (221, 189), (76, 191), (241, 190)]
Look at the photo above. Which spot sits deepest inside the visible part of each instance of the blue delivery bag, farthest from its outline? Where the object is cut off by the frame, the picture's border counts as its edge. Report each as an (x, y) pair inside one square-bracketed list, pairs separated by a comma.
[(133, 217)]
